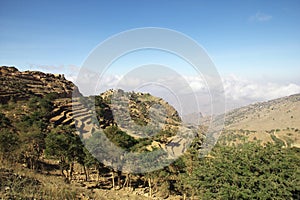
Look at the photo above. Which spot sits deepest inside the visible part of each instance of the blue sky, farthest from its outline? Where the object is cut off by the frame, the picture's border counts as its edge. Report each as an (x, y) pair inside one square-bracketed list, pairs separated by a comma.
[(251, 39)]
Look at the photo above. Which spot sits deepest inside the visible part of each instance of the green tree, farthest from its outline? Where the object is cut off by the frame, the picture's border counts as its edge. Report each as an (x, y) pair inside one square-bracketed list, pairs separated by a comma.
[(33, 128), (32, 144), (120, 138), (63, 144)]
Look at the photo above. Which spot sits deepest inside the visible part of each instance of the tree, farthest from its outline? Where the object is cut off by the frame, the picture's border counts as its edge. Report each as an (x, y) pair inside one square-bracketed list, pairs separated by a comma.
[(101, 148), (9, 139), (63, 144), (32, 146), (33, 128)]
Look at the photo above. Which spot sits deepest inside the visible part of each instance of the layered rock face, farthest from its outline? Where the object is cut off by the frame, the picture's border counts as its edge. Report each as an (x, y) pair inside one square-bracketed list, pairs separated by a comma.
[(17, 85)]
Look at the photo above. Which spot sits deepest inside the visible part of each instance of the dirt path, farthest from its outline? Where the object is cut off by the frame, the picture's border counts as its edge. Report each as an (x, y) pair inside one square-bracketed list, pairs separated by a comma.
[(285, 143)]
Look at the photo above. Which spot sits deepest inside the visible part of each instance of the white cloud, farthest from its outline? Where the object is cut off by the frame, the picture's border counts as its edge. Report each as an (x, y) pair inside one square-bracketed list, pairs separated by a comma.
[(260, 17), (196, 83), (239, 91)]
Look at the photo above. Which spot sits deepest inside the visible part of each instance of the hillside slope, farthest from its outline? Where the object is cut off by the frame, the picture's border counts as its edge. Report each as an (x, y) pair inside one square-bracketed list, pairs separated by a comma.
[(132, 108), (266, 121)]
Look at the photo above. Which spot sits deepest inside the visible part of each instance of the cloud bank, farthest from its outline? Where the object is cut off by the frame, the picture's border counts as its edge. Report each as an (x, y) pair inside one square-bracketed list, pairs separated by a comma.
[(238, 91)]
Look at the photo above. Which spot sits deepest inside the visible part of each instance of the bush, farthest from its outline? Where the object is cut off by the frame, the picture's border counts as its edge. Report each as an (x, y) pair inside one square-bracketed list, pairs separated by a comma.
[(247, 171)]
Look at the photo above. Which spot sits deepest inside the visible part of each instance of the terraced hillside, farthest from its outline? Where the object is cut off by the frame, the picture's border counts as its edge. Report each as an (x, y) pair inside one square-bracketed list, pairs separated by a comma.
[(71, 112), (16, 85), (138, 115)]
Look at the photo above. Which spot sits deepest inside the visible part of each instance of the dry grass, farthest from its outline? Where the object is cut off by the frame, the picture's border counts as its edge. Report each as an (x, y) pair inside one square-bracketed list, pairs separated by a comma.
[(270, 115), (20, 183), (280, 117), (17, 182)]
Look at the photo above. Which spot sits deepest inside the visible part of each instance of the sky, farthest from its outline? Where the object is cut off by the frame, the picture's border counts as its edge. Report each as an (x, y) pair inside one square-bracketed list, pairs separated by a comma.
[(255, 45)]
